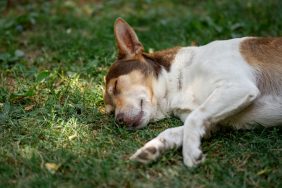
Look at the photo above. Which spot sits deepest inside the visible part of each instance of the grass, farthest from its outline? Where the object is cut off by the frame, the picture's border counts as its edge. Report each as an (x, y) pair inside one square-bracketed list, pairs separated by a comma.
[(53, 129)]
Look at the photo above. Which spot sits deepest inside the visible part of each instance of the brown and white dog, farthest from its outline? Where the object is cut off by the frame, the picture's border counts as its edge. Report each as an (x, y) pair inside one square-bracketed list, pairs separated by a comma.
[(235, 82)]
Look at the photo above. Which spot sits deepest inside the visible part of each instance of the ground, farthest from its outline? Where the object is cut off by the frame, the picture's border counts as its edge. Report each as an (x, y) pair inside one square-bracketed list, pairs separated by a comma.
[(53, 128)]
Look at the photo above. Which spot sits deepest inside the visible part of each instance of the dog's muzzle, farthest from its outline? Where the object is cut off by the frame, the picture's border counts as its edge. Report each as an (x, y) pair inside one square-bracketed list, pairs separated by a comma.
[(130, 122)]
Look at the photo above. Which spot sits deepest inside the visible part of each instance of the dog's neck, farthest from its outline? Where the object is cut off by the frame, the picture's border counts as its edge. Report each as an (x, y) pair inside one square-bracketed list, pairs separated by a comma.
[(169, 83)]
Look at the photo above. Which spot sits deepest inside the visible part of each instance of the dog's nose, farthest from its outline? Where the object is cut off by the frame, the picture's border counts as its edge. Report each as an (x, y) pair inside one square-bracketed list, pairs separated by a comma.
[(120, 118)]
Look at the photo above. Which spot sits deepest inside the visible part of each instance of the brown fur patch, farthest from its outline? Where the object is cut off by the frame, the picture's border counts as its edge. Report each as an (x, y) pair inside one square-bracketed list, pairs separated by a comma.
[(143, 156), (163, 57), (146, 63), (122, 67), (152, 150), (265, 55)]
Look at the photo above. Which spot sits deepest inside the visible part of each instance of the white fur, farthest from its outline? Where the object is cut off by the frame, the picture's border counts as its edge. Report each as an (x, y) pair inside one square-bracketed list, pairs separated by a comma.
[(207, 85)]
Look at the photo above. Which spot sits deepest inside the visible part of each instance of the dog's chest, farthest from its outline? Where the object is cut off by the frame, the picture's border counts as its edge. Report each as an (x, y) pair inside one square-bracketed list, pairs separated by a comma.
[(187, 86), (187, 98)]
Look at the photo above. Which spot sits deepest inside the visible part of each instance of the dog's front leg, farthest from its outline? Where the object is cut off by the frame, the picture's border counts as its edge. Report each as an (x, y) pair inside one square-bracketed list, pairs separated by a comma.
[(222, 102), (168, 139)]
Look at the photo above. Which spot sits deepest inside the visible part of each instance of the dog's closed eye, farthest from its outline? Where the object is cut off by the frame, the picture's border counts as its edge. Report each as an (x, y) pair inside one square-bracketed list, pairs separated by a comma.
[(115, 91)]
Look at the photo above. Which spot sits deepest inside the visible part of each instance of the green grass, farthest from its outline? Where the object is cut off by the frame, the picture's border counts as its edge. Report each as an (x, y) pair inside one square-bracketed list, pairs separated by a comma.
[(53, 57)]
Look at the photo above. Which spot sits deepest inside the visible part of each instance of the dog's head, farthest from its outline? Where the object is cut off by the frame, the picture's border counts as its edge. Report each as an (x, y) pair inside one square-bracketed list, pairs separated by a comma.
[(129, 82)]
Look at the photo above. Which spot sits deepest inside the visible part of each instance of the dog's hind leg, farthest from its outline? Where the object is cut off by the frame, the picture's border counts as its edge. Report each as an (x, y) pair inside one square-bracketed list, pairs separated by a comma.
[(168, 139)]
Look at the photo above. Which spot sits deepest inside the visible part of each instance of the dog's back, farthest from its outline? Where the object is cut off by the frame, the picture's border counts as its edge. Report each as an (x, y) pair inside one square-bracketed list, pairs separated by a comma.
[(265, 55)]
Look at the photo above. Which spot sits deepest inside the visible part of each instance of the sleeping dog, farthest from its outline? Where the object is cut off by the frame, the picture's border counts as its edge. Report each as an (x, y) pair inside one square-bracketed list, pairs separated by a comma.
[(235, 82)]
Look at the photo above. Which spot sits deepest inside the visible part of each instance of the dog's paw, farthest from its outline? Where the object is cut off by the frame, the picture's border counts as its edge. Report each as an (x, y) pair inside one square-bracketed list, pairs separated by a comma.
[(149, 152), (145, 154), (194, 158)]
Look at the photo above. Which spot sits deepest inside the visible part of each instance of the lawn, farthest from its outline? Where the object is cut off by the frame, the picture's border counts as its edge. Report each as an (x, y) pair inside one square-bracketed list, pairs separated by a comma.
[(53, 128)]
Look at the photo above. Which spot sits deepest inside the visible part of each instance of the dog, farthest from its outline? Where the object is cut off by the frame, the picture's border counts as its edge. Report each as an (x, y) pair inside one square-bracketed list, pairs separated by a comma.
[(236, 82)]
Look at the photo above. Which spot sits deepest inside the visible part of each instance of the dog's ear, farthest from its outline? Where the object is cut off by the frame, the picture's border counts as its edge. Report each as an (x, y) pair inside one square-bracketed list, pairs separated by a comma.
[(127, 40)]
